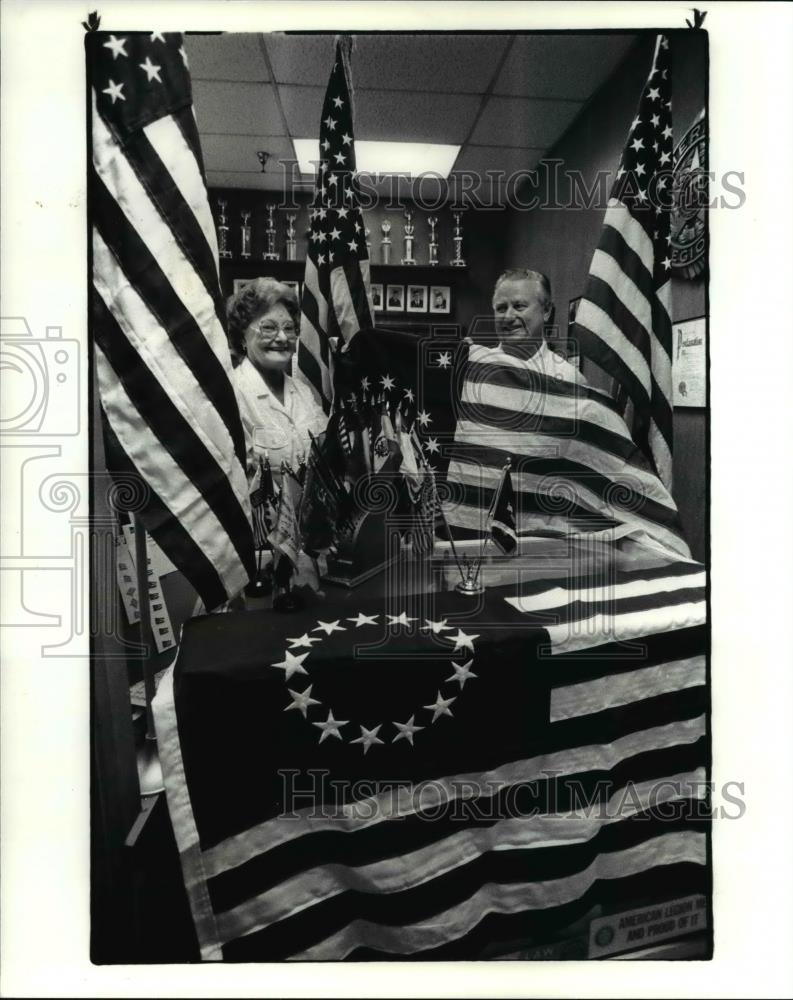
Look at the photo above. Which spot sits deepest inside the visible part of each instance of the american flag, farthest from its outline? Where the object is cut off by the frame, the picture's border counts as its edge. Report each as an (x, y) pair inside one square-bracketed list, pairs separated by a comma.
[(623, 322), (430, 782), (162, 359), (336, 296)]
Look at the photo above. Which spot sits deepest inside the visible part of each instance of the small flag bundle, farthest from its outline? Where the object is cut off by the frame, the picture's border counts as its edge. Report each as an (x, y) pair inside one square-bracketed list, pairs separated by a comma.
[(502, 526), (264, 505)]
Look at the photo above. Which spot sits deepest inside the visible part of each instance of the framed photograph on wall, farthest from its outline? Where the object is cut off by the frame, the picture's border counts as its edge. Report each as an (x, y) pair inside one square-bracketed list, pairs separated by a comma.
[(377, 298), (689, 363), (417, 299), (395, 298), (440, 299)]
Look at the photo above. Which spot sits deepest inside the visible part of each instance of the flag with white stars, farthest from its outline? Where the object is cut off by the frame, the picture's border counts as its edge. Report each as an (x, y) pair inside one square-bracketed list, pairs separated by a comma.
[(336, 297), (414, 779), (163, 368), (623, 322)]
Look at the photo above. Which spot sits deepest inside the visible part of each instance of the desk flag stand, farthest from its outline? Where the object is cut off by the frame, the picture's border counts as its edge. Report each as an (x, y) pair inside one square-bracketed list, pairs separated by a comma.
[(148, 761), (470, 585)]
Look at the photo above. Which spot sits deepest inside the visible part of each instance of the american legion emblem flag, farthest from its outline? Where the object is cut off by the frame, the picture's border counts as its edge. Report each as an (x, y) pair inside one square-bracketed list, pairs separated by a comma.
[(352, 782)]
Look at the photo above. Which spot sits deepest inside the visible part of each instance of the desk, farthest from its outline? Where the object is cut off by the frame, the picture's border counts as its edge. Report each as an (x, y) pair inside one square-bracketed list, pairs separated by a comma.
[(399, 771)]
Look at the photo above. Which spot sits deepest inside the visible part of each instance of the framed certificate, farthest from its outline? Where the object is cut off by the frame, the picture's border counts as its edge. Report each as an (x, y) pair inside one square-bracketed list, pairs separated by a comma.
[(689, 363)]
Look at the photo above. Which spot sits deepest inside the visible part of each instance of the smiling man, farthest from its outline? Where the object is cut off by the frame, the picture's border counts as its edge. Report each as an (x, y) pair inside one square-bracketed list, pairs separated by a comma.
[(575, 468)]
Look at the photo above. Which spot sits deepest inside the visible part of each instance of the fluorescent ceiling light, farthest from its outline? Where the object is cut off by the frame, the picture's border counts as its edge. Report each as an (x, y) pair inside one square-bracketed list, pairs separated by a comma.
[(412, 158)]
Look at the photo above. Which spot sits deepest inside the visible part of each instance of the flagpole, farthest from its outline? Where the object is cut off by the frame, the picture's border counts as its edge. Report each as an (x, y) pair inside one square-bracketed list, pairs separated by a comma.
[(148, 761), (490, 513), (438, 504)]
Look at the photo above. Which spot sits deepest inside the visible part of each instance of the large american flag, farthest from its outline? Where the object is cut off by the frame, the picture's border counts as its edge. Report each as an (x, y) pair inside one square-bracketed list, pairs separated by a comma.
[(623, 321), (432, 781), (336, 296), (162, 359)]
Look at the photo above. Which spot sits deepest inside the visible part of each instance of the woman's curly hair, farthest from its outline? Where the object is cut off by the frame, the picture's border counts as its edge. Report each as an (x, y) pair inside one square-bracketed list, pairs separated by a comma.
[(252, 300)]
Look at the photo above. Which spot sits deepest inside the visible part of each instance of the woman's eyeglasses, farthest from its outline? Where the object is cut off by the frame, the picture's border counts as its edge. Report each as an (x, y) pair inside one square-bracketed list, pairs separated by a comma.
[(269, 331)]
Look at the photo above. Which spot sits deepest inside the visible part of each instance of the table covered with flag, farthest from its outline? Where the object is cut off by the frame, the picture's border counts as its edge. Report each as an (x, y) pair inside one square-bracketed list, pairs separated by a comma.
[(419, 776)]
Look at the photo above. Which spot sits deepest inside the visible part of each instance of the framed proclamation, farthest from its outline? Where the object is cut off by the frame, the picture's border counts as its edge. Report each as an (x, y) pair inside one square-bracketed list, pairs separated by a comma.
[(689, 363)]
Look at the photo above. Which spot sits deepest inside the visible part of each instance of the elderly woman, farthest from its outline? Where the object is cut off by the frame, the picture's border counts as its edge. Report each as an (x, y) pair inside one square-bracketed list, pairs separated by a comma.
[(278, 412)]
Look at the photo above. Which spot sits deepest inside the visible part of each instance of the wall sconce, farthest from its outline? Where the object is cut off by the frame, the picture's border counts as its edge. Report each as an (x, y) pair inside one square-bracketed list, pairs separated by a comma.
[(263, 158)]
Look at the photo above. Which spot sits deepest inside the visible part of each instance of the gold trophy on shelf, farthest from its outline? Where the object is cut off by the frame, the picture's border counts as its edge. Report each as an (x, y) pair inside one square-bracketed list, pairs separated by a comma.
[(270, 253), (291, 244), (245, 235), (385, 243), (409, 231), (458, 240), (432, 222), (223, 231)]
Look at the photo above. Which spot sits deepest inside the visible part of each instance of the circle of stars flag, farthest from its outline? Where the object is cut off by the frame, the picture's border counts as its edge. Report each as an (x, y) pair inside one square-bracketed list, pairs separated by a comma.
[(336, 298), (623, 322), (163, 368)]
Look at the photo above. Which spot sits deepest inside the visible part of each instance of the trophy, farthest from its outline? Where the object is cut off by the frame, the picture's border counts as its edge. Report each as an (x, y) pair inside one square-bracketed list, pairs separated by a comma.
[(458, 240), (245, 235), (223, 231), (409, 230), (291, 245), (433, 222), (385, 245), (270, 253)]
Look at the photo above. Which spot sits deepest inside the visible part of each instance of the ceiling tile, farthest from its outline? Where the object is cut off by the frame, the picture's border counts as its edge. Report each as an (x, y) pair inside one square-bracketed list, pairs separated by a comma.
[(480, 159), (225, 57), (238, 152), (380, 114), (241, 108), (512, 121), (255, 181), (304, 59), (448, 62), (568, 65)]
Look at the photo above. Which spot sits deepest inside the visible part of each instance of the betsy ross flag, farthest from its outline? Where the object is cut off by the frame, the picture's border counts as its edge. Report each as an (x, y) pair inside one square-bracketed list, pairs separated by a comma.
[(163, 368), (335, 300), (623, 322), (431, 782)]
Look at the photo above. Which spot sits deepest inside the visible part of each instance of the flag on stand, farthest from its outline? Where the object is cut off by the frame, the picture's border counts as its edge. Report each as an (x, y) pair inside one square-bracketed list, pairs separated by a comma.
[(264, 504), (502, 527), (325, 504), (285, 536), (336, 299), (163, 368), (623, 321)]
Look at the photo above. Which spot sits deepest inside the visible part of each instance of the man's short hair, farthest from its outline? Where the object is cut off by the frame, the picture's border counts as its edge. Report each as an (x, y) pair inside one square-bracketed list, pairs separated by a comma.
[(526, 273)]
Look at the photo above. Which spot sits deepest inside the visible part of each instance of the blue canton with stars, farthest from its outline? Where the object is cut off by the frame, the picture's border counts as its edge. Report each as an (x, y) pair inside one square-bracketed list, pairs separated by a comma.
[(644, 177), (336, 233), (138, 77)]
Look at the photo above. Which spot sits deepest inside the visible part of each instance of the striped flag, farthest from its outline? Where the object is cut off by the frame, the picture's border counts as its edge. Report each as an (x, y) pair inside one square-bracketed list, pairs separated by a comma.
[(575, 467), (336, 297), (163, 367), (507, 775), (623, 322)]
